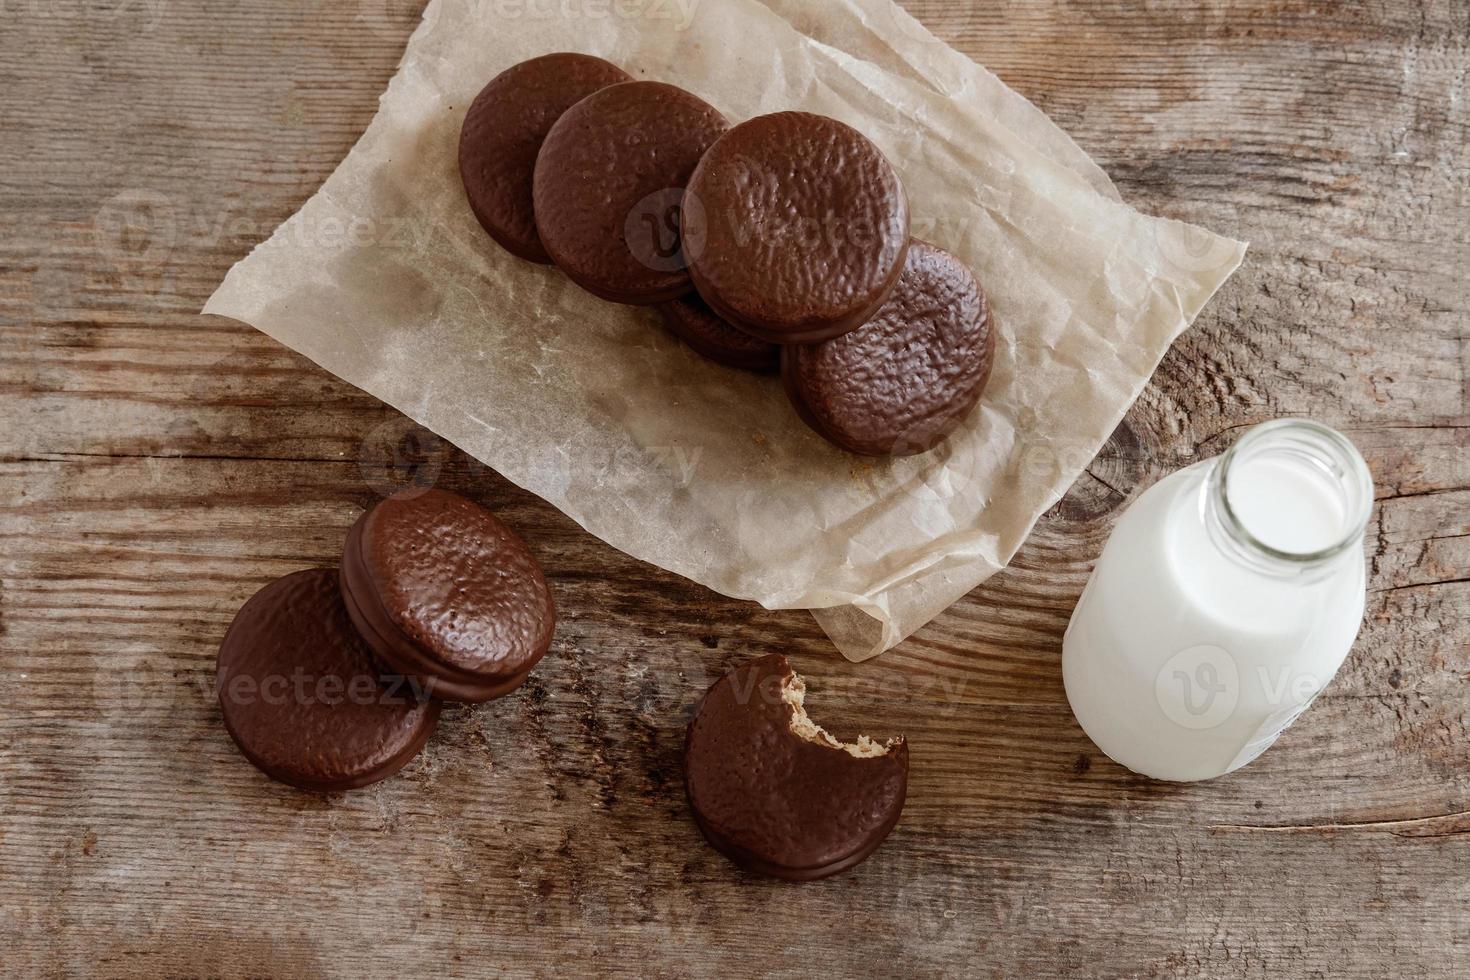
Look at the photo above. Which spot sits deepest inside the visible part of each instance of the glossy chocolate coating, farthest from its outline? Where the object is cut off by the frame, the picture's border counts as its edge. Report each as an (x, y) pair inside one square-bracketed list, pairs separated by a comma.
[(775, 802), (503, 131), (304, 698), (609, 184), (691, 320), (903, 381), (443, 591), (800, 227)]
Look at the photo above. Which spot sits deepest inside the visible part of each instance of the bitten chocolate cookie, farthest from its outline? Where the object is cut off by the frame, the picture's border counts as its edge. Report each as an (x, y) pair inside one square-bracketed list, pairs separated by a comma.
[(503, 132), (774, 792), (692, 321), (796, 228), (303, 697), (608, 187), (446, 593), (900, 383)]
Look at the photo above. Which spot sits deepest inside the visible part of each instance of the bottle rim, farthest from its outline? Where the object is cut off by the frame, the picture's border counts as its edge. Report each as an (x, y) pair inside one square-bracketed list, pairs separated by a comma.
[(1347, 466)]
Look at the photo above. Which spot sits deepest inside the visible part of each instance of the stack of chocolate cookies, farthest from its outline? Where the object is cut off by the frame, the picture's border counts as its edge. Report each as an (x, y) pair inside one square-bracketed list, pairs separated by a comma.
[(330, 680), (781, 243)]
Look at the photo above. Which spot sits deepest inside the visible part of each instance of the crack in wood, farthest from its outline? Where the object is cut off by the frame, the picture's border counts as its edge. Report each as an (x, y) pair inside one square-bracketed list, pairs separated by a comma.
[(199, 457), (1459, 822), (1419, 585)]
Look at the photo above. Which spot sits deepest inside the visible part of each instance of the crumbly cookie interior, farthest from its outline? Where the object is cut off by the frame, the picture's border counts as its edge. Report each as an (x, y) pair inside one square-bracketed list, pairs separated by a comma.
[(793, 692)]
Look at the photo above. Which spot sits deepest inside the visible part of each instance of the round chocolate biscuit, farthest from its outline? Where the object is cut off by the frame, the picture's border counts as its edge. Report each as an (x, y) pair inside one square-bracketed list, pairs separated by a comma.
[(797, 227), (304, 698), (903, 381), (774, 792), (503, 131), (447, 594), (609, 186), (691, 320)]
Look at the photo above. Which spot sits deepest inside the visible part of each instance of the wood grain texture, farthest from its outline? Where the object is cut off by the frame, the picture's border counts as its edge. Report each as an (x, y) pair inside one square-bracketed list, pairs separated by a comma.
[(157, 467)]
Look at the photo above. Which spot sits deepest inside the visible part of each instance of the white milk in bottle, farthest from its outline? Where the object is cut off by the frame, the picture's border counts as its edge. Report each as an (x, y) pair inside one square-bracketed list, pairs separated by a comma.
[(1227, 597)]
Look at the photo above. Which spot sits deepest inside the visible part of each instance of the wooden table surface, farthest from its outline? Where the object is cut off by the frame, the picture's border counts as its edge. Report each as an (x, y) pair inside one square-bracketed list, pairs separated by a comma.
[(157, 467)]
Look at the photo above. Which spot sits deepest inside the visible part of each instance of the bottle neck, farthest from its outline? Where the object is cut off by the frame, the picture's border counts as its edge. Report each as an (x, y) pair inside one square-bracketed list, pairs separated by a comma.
[(1290, 500)]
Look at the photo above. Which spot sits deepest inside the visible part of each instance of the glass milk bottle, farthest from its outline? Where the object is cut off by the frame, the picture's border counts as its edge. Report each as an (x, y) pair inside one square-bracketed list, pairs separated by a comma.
[(1227, 597)]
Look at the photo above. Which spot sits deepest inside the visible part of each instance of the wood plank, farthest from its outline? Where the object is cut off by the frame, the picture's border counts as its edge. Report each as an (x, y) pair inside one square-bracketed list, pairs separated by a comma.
[(156, 467)]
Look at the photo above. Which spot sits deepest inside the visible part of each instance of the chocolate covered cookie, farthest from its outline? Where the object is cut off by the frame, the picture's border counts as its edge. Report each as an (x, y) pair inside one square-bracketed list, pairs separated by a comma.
[(446, 593), (608, 187), (303, 697), (796, 228), (900, 383), (774, 792), (691, 320), (503, 131)]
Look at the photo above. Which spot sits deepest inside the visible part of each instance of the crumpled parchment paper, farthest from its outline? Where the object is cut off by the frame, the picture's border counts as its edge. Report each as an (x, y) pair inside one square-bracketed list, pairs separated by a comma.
[(385, 279)]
